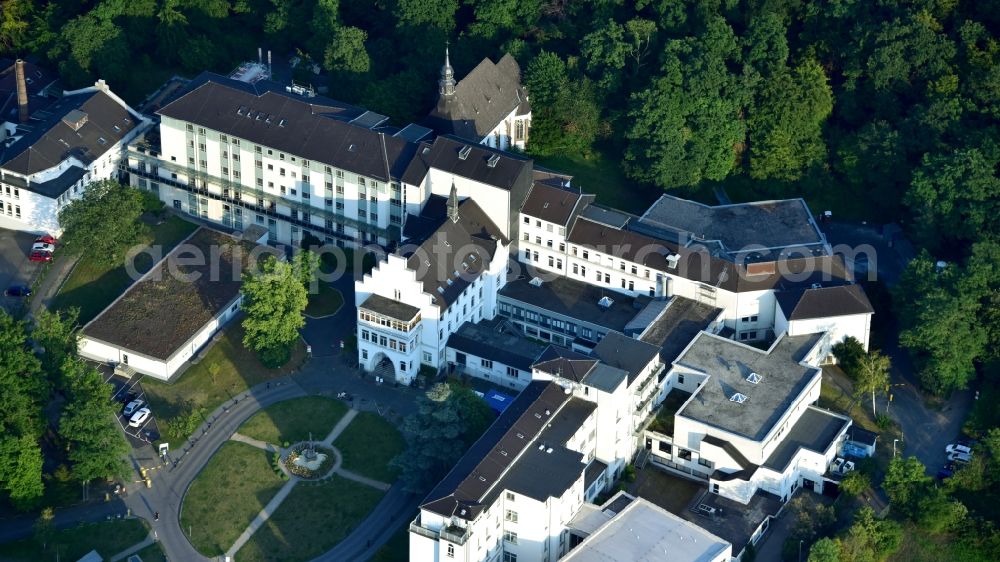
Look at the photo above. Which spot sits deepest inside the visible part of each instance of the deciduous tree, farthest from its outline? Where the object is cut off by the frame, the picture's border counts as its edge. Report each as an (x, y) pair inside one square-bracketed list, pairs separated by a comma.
[(95, 443), (103, 222), (274, 300)]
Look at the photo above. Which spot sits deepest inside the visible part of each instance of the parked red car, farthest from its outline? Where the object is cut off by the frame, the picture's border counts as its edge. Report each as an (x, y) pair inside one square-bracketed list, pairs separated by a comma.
[(46, 239), (39, 255)]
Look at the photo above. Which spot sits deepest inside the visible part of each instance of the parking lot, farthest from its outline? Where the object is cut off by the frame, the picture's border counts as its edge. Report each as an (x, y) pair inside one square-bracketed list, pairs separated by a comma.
[(125, 390), (15, 269)]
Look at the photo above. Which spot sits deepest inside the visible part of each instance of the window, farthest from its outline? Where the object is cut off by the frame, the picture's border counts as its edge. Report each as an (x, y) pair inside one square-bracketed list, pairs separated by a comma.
[(512, 372), (511, 516), (509, 557), (510, 536), (124, 358), (586, 255), (486, 363), (526, 220), (680, 379), (510, 496), (451, 551)]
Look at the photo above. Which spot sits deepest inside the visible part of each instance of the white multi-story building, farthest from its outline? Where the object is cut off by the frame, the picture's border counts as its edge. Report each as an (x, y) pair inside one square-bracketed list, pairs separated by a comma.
[(48, 159), (243, 154), (411, 303), (733, 257), (749, 424), (488, 106), (513, 494)]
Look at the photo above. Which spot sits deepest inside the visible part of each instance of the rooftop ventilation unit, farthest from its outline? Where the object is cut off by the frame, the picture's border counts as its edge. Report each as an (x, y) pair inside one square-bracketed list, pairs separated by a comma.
[(464, 153), (492, 162), (754, 378), (672, 260), (541, 446), (739, 398), (535, 282), (605, 302), (817, 286), (549, 450)]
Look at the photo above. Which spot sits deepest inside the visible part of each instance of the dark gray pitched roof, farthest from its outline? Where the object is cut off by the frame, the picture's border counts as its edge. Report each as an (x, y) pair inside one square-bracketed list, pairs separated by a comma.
[(471, 484), (481, 100), (570, 365), (391, 308), (316, 129), (52, 140), (625, 353), (554, 204), (815, 431), (824, 302), (37, 79), (455, 254), (445, 154)]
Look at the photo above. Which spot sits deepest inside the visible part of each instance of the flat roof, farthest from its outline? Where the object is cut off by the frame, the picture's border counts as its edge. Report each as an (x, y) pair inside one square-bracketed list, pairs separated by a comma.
[(816, 430), (389, 307), (575, 299), (644, 532), (728, 364), (673, 330), (772, 225), (497, 341), (162, 311)]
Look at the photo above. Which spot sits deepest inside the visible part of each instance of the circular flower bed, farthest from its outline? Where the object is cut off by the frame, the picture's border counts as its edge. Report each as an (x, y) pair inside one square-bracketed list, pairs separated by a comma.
[(295, 466)]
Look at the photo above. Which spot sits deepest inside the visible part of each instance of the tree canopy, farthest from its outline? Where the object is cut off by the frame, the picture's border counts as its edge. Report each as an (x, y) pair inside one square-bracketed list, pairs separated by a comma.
[(104, 222), (274, 300)]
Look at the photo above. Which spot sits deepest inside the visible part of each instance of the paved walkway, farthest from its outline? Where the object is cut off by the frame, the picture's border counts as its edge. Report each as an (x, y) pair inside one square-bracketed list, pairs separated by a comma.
[(262, 517), (278, 498)]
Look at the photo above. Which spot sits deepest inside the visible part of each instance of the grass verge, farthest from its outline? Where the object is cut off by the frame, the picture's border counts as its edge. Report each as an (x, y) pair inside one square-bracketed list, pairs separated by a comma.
[(226, 369), (93, 285), (312, 520), (601, 173), (367, 446), (292, 420), (107, 538), (225, 497), (325, 302)]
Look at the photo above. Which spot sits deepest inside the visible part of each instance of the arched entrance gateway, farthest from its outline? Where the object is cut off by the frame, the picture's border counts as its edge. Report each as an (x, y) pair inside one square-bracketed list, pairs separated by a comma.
[(382, 367)]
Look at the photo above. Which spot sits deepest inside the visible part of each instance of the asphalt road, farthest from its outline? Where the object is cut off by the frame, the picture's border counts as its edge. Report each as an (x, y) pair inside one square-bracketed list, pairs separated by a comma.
[(15, 269)]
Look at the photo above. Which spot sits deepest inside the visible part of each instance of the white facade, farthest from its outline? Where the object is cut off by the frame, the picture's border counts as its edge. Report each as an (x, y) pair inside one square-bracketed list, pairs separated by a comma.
[(24, 209), (512, 131), (297, 195), (161, 369), (393, 279), (838, 327)]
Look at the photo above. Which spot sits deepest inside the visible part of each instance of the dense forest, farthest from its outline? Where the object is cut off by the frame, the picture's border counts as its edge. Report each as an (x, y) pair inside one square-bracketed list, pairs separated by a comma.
[(884, 110)]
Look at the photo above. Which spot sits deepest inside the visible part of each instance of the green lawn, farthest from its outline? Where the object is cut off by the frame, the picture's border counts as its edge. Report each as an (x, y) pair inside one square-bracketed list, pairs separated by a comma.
[(93, 285), (227, 369), (228, 493), (292, 420), (367, 446), (311, 520), (107, 537), (601, 173), (398, 547), (327, 301)]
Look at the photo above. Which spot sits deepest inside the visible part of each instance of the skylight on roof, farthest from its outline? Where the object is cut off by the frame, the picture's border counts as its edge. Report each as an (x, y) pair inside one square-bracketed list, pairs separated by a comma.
[(464, 153), (739, 398), (754, 378)]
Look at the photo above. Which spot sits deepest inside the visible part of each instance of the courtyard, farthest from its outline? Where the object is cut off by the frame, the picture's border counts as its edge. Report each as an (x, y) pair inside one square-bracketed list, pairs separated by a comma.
[(247, 501)]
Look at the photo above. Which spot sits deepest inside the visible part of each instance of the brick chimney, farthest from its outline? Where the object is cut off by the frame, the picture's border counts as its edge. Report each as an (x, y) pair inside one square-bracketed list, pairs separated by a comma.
[(22, 91)]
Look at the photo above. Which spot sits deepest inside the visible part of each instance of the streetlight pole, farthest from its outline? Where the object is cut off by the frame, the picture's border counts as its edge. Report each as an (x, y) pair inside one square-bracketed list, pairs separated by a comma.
[(894, 441), (800, 549)]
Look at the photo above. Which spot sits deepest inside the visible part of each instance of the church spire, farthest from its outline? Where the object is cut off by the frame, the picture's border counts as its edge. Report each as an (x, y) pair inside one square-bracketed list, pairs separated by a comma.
[(453, 203), (446, 85)]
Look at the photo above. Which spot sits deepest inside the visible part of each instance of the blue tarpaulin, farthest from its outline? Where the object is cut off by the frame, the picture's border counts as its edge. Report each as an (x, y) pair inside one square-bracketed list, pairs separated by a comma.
[(498, 401)]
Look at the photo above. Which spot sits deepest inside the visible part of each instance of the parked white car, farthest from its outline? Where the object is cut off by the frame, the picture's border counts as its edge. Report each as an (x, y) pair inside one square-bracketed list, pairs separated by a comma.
[(43, 247), (960, 457), (139, 417), (958, 448)]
